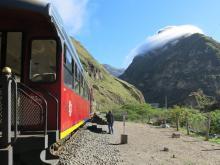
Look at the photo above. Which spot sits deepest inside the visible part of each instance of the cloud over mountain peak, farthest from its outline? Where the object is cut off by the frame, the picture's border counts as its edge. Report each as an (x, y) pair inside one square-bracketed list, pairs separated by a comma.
[(161, 38)]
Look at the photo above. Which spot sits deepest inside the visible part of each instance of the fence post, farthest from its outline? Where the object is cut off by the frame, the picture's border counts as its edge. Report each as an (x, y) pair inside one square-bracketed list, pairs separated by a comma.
[(208, 126), (6, 150), (187, 123), (177, 122)]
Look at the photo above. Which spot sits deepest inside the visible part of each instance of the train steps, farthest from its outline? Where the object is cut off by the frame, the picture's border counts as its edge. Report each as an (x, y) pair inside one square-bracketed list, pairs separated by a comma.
[(31, 148)]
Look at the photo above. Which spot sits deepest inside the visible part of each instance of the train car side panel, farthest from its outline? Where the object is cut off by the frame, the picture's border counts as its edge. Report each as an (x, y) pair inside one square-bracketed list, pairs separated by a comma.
[(74, 111)]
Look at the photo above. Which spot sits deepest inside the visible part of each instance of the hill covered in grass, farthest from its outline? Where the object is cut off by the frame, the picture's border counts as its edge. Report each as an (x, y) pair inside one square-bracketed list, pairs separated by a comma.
[(109, 92)]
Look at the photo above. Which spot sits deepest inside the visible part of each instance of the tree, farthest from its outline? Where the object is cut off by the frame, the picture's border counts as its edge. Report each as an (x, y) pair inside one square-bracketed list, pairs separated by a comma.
[(176, 114)]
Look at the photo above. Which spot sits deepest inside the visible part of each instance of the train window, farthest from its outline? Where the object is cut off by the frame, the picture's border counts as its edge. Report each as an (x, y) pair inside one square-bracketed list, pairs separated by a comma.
[(68, 79), (81, 85), (78, 75), (76, 72), (73, 73), (13, 51), (43, 61), (73, 68), (77, 86), (76, 79), (68, 69), (68, 60), (85, 91)]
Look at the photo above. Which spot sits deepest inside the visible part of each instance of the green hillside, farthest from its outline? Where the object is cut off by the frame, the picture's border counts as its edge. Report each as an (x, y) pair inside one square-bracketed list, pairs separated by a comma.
[(109, 92)]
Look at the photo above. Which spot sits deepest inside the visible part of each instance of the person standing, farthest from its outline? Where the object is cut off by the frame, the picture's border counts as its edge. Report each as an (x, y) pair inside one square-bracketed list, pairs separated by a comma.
[(110, 121)]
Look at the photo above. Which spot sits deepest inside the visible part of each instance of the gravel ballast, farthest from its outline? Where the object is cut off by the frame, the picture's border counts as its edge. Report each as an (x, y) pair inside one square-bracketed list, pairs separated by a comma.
[(89, 148)]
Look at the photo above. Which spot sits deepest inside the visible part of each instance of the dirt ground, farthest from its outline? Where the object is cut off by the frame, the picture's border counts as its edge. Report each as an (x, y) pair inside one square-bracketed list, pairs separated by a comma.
[(146, 144)]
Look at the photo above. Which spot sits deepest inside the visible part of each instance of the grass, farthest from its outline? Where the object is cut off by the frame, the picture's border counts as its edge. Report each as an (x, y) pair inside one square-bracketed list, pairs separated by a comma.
[(109, 92), (199, 136), (215, 140)]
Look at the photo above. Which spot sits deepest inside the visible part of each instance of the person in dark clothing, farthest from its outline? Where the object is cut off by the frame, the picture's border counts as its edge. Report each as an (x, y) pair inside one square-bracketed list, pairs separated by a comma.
[(110, 121)]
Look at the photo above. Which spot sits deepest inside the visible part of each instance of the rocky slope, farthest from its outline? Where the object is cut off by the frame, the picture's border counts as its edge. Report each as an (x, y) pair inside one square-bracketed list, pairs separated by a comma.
[(114, 71), (109, 92), (177, 69)]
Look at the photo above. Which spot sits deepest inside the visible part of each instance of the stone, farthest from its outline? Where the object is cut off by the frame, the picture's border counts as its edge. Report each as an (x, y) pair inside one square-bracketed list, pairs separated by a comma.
[(176, 135)]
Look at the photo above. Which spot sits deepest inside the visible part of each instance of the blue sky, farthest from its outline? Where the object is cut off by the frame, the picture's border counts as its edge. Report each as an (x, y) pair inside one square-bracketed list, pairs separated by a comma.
[(110, 29)]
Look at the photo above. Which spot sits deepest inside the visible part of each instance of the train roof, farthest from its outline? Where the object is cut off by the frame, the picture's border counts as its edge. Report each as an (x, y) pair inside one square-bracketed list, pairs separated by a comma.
[(31, 5), (49, 11)]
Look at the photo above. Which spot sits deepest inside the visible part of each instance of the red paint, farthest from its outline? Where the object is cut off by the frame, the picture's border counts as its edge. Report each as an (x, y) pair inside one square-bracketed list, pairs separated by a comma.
[(79, 106), (41, 28)]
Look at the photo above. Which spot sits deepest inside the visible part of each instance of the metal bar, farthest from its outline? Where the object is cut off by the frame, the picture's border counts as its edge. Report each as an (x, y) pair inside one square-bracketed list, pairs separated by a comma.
[(23, 92), (14, 85), (43, 100), (57, 104), (6, 150), (57, 108), (6, 107)]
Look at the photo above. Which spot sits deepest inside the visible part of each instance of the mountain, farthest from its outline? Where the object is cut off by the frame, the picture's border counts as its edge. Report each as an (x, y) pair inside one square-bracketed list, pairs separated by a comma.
[(109, 92), (178, 68), (114, 71)]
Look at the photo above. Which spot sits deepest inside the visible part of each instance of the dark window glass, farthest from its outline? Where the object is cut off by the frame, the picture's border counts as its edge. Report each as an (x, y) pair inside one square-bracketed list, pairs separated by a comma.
[(76, 72), (81, 85), (88, 93), (73, 73), (68, 70), (43, 61), (77, 86), (68, 79), (0, 47), (76, 79), (13, 51), (68, 60), (85, 90)]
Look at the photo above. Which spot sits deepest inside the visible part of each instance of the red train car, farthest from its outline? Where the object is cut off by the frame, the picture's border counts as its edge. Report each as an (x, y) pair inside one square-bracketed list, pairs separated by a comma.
[(34, 44)]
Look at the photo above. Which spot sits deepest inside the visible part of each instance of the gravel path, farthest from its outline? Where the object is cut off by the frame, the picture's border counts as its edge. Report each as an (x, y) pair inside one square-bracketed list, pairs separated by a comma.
[(146, 143), (89, 148), (145, 147)]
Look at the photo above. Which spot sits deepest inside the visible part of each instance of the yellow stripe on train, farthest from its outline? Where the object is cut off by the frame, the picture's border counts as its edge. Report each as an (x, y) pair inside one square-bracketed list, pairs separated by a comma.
[(71, 129)]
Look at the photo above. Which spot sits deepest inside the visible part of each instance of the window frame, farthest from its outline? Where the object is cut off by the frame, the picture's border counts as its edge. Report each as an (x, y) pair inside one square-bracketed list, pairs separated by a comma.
[(77, 75), (4, 49), (67, 69), (71, 73), (56, 39)]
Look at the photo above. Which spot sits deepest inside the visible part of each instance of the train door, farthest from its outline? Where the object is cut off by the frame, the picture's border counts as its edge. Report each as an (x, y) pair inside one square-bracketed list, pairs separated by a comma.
[(11, 51)]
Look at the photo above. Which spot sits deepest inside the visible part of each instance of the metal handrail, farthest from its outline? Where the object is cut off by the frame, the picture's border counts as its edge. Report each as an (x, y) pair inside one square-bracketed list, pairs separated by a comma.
[(7, 83), (57, 104), (23, 92), (15, 108), (42, 98), (57, 108)]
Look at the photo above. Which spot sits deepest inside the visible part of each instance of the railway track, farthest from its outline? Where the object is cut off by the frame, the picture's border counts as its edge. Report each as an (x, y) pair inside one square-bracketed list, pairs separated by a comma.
[(89, 147), (57, 147)]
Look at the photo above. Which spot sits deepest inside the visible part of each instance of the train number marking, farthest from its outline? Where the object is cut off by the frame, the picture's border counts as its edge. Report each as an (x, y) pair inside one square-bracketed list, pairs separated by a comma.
[(70, 108)]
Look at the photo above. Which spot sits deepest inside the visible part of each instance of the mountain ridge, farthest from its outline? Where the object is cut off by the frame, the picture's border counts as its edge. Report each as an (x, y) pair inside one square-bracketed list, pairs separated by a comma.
[(191, 64), (114, 71)]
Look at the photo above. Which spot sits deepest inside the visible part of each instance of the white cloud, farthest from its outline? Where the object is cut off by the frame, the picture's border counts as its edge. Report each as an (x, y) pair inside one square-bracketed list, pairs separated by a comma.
[(159, 39), (73, 13)]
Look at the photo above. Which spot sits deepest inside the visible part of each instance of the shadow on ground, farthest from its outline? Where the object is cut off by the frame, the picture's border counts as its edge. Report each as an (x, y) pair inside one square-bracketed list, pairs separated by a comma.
[(95, 129), (211, 149)]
